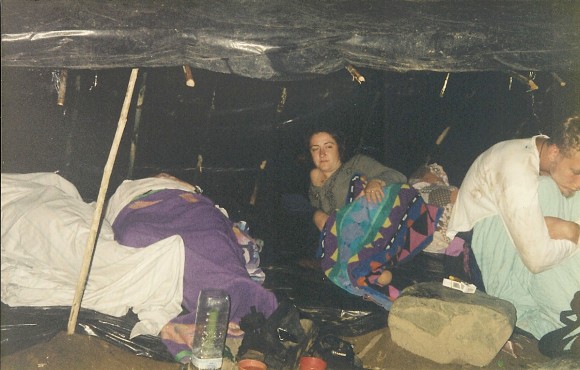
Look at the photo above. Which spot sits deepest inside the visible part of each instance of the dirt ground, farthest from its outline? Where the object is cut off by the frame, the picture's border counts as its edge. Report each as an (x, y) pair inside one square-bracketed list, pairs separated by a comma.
[(375, 349)]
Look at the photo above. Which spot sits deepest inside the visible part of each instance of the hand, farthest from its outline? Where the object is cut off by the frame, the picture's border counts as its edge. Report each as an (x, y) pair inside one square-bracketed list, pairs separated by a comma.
[(562, 229), (374, 191), (319, 219)]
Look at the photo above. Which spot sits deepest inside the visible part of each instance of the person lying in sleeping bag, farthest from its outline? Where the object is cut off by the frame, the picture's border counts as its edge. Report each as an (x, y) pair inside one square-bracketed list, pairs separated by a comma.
[(151, 209)]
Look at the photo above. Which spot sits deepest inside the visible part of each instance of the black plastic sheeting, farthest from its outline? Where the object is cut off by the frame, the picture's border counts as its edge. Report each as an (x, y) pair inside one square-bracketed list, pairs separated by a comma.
[(335, 311), (23, 327), (285, 40)]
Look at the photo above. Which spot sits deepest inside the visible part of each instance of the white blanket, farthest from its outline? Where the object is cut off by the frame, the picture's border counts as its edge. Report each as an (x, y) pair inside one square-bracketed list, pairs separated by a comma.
[(45, 226)]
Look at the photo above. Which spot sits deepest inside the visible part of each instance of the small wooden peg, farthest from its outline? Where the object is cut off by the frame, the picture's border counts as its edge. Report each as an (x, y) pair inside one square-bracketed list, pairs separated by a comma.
[(527, 81), (188, 76), (256, 184), (356, 76), (561, 82), (444, 85)]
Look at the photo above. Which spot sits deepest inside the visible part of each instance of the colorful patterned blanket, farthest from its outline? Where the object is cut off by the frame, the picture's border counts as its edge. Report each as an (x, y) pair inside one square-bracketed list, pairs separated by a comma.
[(363, 239)]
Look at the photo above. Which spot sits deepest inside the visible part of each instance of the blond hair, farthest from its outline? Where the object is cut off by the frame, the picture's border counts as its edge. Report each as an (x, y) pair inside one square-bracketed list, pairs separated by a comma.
[(566, 135)]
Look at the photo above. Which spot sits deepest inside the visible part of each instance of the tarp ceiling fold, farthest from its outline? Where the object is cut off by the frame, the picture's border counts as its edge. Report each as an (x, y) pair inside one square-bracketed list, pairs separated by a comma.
[(293, 39)]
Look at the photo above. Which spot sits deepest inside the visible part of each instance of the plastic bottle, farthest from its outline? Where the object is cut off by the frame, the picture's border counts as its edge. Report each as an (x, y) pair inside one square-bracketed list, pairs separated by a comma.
[(211, 327)]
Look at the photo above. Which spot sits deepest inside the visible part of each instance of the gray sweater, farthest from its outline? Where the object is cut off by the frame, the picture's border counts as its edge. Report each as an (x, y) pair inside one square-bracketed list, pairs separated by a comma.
[(332, 194)]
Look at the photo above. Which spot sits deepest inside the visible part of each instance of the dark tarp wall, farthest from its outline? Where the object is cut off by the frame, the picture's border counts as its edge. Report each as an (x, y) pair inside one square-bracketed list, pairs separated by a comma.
[(235, 123), (282, 40)]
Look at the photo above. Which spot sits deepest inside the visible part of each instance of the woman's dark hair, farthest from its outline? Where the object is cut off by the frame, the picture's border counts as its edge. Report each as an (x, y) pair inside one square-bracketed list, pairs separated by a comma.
[(337, 135)]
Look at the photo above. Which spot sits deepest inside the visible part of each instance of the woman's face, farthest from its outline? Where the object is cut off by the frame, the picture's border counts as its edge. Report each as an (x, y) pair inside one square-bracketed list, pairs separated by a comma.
[(324, 152)]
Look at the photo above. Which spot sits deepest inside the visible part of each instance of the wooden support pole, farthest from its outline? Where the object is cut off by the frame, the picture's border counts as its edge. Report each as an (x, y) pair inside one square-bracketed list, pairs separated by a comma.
[(136, 126), (72, 122), (62, 87), (84, 273)]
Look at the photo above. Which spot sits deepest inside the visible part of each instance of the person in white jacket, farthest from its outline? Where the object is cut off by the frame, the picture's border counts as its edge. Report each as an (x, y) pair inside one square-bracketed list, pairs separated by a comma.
[(520, 197)]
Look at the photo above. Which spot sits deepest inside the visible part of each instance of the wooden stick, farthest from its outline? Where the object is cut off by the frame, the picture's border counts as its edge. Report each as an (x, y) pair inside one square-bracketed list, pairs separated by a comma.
[(198, 170), (188, 76), (282, 102), (137, 124), (526, 81), (72, 121), (62, 87), (370, 345), (254, 195), (438, 142), (76, 305), (560, 82), (442, 135), (444, 85), (356, 76)]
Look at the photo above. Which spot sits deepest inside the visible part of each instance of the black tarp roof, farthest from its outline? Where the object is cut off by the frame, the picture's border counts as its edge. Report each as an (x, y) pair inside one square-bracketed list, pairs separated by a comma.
[(293, 39)]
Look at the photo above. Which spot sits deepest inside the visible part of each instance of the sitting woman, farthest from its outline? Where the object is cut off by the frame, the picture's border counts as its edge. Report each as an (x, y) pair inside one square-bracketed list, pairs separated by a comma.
[(372, 221), (145, 211), (330, 179)]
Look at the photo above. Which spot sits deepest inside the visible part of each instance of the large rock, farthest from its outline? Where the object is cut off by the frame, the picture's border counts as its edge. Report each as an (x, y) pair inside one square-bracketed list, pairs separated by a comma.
[(448, 326)]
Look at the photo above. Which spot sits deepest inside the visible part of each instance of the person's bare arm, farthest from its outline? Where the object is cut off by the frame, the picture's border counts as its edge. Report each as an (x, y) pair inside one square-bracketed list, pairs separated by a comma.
[(319, 219), (316, 177), (562, 229)]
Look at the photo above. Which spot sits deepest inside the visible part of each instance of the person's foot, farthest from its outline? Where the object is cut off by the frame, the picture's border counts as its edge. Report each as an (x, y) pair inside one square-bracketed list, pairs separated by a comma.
[(385, 278), (178, 333)]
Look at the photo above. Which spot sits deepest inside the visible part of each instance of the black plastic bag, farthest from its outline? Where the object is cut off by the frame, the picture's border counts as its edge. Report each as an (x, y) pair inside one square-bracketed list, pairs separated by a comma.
[(23, 327)]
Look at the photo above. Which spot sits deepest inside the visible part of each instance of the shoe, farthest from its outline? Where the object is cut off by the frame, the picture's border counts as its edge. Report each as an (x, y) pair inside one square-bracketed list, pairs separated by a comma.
[(338, 354), (559, 342), (280, 340)]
